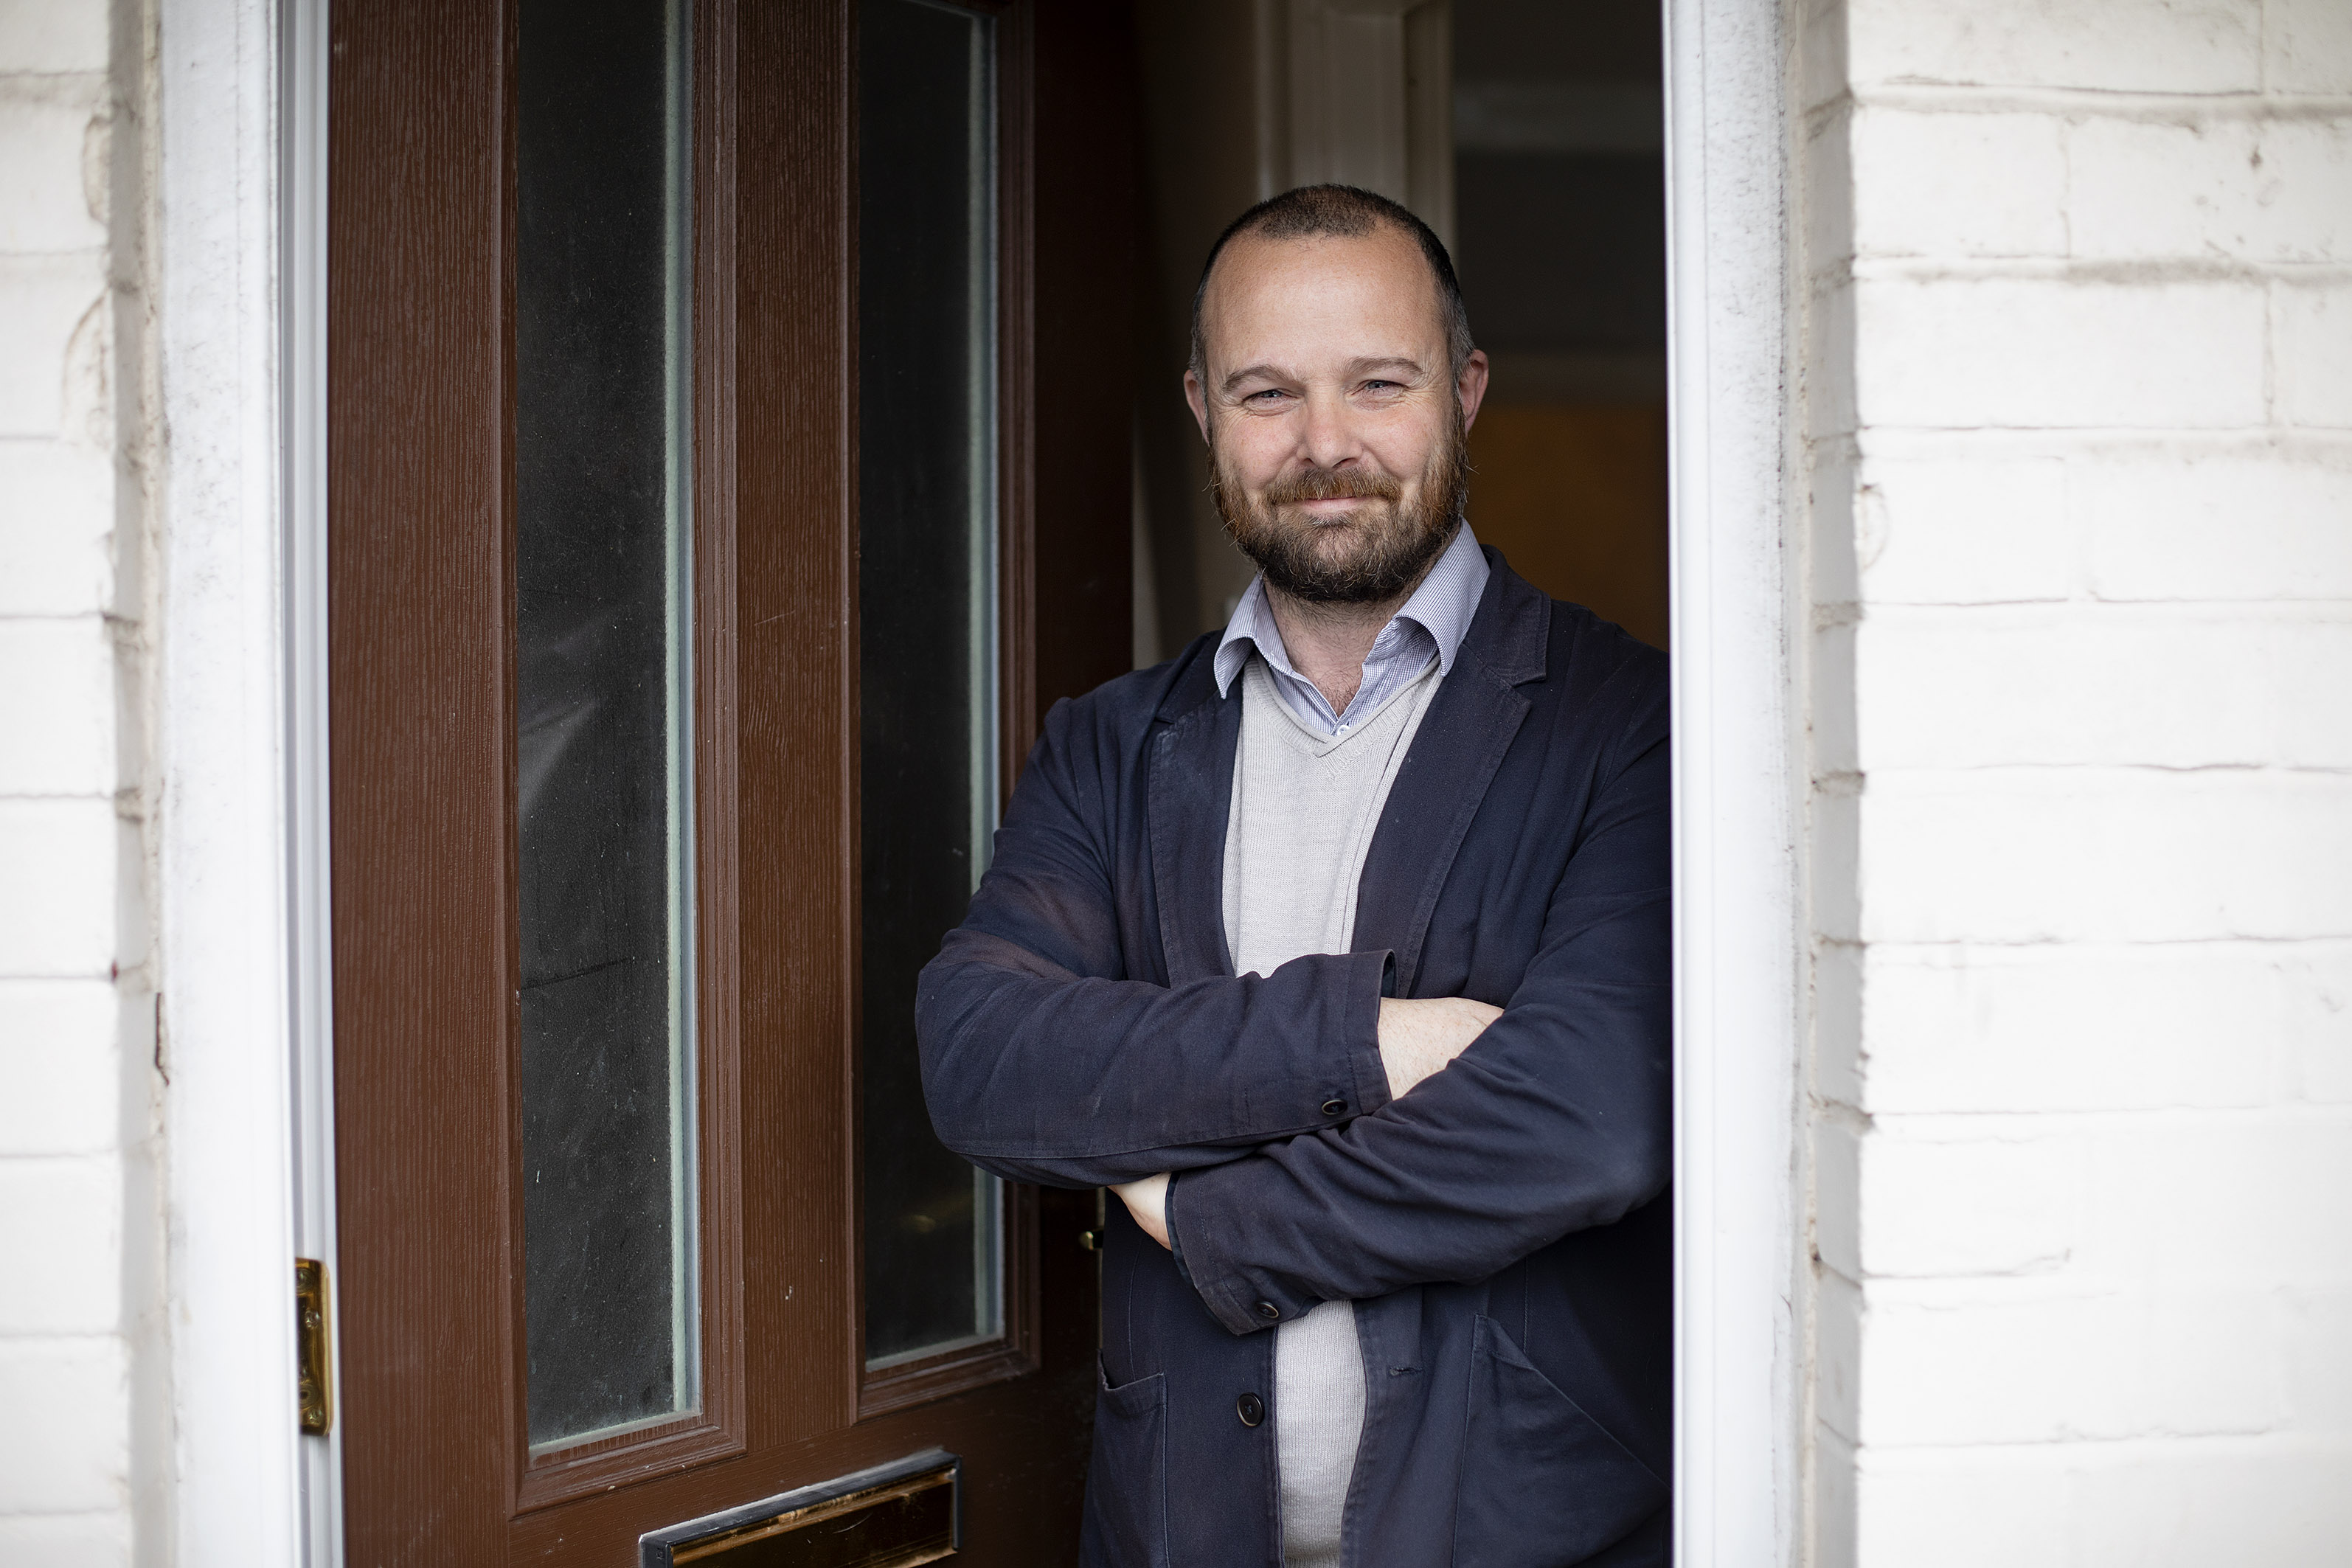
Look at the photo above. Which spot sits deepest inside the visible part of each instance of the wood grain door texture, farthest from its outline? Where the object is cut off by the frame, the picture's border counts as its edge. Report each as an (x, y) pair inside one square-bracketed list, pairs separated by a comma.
[(438, 1468)]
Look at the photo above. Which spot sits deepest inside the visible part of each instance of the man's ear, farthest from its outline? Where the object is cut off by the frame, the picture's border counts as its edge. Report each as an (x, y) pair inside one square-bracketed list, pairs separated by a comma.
[(1470, 386), (1198, 401)]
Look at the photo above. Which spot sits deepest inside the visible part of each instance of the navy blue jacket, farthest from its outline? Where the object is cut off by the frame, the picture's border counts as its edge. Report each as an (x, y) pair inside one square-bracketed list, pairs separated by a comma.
[(1502, 1227)]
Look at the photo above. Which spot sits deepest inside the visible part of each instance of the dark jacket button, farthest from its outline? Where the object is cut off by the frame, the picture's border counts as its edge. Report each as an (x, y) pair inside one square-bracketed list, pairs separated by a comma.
[(1268, 1309), (1334, 1106), (1250, 1408)]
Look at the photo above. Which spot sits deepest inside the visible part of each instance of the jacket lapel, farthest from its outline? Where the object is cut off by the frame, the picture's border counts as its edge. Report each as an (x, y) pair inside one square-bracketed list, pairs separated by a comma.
[(1470, 725), (1195, 737)]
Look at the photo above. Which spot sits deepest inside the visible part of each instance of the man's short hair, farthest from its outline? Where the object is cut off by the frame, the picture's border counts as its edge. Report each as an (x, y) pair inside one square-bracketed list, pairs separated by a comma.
[(1348, 213)]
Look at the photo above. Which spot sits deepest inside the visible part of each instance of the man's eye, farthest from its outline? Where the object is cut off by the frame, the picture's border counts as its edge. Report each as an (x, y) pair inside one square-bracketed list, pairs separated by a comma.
[(1262, 396), (1379, 386)]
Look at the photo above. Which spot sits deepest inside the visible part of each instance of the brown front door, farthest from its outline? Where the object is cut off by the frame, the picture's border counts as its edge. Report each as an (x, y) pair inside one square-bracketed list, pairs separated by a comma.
[(728, 462)]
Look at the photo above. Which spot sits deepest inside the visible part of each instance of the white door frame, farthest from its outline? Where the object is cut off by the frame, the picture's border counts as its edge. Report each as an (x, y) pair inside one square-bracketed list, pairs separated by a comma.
[(242, 724), (1741, 1357), (227, 932)]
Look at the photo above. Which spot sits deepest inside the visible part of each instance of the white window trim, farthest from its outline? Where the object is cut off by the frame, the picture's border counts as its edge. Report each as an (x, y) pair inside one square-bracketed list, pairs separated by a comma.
[(243, 868), (1739, 1341)]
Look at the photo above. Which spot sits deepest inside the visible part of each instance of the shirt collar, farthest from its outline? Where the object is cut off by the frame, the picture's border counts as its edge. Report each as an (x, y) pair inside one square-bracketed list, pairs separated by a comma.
[(1442, 606)]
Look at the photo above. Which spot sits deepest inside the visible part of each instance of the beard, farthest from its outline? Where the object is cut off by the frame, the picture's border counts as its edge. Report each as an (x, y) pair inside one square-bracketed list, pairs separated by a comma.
[(1377, 553)]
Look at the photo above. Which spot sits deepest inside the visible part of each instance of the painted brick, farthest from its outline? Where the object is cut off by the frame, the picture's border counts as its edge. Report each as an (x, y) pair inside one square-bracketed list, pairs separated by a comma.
[(2261, 190), (2134, 46), (1942, 1204), (59, 1066), (57, 887), (2031, 1362), (2115, 684), (2193, 1505), (1969, 528), (1820, 54), (1840, 1314), (2234, 522), (1837, 1062), (2309, 47), (1829, 209), (48, 35), (44, 299), (2313, 349), (1837, 1194), (57, 707), (1957, 185), (1833, 715), (1833, 825), (74, 1457), (66, 1541), (1960, 1511), (2319, 1033), (2069, 1028), (2185, 1503), (2038, 353), (61, 1225), (2249, 1201), (1833, 564), (57, 529), (2069, 855), (1829, 328), (1833, 1510), (45, 126), (2317, 1324)]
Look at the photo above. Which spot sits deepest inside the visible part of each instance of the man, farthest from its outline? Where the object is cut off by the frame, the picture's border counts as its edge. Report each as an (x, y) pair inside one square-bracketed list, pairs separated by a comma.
[(1338, 946)]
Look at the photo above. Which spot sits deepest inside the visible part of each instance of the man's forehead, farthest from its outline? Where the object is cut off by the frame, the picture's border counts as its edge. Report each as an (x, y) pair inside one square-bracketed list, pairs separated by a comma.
[(1357, 294)]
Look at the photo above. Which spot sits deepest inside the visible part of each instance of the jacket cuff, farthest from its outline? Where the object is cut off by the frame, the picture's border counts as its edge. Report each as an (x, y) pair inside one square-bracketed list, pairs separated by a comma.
[(1175, 1237), (1369, 978), (1243, 1301)]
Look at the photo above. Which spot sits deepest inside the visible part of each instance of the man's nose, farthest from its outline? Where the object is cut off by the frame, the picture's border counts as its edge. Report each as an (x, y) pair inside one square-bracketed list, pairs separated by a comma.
[(1330, 437)]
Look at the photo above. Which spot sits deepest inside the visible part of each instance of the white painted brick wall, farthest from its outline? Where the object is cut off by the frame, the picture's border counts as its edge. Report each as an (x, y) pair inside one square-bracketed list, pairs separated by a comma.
[(75, 1010), (2077, 420)]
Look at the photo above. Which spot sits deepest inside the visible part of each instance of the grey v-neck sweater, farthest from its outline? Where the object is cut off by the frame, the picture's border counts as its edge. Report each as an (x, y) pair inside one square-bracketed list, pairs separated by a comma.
[(1304, 808)]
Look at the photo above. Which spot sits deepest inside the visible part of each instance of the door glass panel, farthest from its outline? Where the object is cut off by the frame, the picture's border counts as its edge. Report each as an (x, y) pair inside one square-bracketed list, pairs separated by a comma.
[(604, 711), (926, 602)]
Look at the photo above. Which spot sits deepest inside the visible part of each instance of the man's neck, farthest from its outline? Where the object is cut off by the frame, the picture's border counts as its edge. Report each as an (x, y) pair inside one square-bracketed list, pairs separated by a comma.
[(1328, 644)]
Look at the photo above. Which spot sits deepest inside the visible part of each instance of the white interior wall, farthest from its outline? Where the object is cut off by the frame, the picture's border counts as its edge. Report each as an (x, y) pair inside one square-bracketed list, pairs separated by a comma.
[(2077, 402)]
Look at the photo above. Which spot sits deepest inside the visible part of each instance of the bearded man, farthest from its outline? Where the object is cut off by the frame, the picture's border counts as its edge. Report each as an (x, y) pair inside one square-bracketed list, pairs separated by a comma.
[(1339, 946)]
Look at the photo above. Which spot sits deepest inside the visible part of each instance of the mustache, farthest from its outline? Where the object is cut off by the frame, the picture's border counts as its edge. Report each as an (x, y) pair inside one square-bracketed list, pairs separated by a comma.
[(1333, 484)]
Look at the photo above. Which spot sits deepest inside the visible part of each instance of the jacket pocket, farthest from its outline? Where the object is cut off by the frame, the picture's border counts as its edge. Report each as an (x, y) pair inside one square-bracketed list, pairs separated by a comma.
[(1127, 1478), (1543, 1485)]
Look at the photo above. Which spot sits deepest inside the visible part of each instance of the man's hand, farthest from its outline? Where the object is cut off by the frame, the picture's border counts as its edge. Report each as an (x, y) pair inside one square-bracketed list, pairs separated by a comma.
[(1147, 1200), (1418, 1037)]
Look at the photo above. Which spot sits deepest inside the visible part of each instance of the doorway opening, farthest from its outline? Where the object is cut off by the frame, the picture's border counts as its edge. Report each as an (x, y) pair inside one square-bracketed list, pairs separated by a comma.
[(1530, 134)]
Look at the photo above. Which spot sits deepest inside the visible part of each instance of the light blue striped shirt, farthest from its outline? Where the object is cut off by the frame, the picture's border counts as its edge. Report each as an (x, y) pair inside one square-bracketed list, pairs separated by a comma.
[(1430, 625)]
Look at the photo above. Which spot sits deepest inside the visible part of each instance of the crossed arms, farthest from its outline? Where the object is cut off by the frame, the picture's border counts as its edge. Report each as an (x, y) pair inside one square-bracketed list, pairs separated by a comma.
[(1328, 1143), (1417, 1037)]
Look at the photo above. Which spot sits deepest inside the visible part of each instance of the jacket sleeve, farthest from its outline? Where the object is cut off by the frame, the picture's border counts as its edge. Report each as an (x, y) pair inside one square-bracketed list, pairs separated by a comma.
[(1044, 1062), (1556, 1119)]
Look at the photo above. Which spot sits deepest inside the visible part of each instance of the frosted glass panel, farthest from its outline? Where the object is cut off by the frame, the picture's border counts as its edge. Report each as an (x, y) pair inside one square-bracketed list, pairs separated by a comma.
[(926, 575), (603, 714)]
